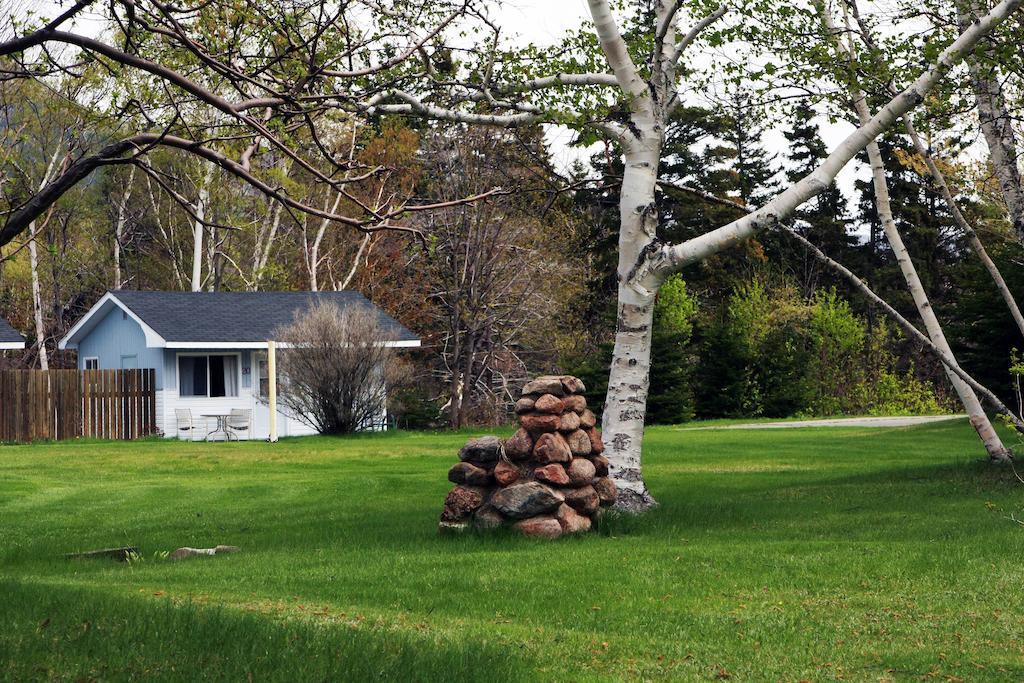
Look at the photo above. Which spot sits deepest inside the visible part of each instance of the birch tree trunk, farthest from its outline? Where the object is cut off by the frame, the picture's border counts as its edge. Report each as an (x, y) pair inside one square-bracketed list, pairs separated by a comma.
[(629, 379), (314, 252), (199, 229), (33, 258), (37, 302), (119, 224), (979, 420), (997, 452), (996, 123)]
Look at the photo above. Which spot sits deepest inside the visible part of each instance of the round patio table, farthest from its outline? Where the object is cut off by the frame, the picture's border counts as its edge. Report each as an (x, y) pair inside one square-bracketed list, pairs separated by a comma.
[(222, 425)]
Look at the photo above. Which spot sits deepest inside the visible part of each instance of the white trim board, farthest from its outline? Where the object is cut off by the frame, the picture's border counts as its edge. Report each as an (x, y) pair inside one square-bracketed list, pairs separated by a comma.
[(413, 343), (11, 346)]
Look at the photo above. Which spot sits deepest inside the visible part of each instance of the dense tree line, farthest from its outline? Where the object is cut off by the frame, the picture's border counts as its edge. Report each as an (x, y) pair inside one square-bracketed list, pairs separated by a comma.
[(760, 330), (301, 145)]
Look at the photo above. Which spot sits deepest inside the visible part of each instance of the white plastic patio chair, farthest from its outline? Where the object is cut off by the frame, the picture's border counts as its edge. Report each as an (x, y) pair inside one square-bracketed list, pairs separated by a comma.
[(239, 421), (187, 428)]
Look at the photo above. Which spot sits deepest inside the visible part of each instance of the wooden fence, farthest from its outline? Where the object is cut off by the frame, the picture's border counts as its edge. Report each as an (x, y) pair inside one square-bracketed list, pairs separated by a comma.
[(68, 404)]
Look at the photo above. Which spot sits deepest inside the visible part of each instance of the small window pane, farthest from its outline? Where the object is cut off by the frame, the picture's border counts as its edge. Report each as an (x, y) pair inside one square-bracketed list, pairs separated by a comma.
[(264, 378), (217, 376), (192, 375)]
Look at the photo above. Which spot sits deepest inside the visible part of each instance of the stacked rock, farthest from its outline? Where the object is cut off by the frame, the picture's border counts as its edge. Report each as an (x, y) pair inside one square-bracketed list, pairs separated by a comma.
[(550, 478)]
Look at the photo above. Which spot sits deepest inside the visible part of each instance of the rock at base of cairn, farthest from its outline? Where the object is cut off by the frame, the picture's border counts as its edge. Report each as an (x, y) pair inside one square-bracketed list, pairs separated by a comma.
[(549, 479)]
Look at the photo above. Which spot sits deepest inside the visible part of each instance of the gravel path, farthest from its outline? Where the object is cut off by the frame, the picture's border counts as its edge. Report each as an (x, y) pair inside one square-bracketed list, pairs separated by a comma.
[(839, 422)]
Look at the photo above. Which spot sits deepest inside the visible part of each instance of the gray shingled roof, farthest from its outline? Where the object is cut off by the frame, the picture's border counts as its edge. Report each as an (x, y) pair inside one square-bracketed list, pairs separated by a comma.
[(8, 334), (238, 316)]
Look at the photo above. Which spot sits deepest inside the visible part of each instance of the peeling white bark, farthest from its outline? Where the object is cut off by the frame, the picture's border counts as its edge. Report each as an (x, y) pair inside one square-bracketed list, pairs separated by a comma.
[(629, 379), (996, 123), (979, 420)]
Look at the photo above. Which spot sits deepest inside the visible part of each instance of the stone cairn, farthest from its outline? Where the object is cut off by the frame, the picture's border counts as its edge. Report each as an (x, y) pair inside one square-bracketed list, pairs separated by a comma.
[(549, 479)]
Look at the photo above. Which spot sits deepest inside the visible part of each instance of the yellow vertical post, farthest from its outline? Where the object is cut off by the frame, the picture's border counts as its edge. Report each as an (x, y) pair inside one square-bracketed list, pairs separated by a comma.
[(272, 388)]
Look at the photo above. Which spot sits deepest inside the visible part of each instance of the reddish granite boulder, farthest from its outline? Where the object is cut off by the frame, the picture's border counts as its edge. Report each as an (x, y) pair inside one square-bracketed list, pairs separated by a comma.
[(579, 443), (546, 384), (551, 448), (581, 472), (588, 419), (576, 404), (539, 527), (487, 518), (601, 464), (552, 474), (549, 404), (519, 446), (483, 451), (569, 422), (461, 502), (571, 521), (583, 500), (505, 473), (573, 385), (606, 491), (539, 424), (524, 405), (596, 443), (468, 473), (527, 499)]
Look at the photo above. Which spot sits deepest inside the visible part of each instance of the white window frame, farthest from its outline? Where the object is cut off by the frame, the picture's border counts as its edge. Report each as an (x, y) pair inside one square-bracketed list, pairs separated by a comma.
[(85, 362), (207, 397), (259, 358)]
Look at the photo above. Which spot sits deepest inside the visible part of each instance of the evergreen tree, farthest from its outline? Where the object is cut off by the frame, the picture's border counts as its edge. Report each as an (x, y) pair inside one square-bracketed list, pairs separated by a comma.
[(671, 393), (752, 166), (823, 219)]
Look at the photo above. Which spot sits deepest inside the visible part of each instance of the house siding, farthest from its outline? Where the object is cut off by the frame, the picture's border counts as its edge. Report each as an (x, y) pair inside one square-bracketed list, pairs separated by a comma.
[(117, 336)]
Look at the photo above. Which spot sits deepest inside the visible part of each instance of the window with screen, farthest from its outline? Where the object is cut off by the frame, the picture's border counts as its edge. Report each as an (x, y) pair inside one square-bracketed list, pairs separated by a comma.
[(213, 376)]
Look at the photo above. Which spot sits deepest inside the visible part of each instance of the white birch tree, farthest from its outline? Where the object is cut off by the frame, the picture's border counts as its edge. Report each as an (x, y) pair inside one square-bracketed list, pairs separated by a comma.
[(646, 94)]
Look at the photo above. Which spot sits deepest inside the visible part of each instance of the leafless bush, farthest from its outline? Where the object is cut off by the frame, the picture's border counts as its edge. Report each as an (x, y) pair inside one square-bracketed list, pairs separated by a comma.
[(335, 369)]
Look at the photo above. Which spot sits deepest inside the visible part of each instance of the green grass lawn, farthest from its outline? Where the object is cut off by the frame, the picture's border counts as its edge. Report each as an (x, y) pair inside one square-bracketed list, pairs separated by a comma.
[(817, 554)]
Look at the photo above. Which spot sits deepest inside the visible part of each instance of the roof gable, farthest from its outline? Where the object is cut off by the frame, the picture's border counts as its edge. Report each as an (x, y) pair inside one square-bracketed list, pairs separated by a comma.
[(9, 337), (198, 319)]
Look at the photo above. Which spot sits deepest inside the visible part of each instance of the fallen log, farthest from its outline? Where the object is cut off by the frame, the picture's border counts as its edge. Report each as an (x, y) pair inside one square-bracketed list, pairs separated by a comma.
[(120, 554)]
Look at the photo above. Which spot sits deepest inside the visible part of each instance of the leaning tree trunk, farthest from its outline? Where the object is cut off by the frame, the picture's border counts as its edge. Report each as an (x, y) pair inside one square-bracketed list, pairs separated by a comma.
[(972, 236), (996, 123), (629, 378), (979, 420)]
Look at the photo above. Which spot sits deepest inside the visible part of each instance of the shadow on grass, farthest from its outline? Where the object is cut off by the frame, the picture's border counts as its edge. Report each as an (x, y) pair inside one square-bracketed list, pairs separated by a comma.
[(76, 634)]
